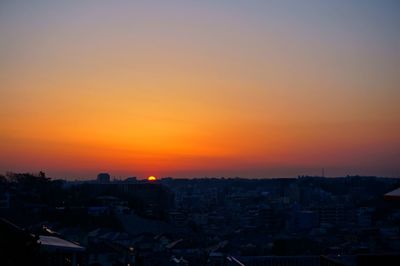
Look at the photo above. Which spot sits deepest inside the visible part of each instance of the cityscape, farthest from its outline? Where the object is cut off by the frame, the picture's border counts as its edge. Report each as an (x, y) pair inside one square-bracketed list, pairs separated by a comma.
[(308, 220)]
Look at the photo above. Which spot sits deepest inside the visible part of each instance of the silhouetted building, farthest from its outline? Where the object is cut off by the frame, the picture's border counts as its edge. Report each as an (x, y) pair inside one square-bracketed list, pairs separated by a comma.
[(17, 246), (4, 200), (132, 179), (57, 251), (274, 260), (103, 178), (150, 199), (393, 195)]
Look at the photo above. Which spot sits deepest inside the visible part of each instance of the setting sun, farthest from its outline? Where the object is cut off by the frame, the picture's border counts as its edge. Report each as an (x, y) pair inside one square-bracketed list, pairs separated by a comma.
[(151, 178), (139, 87)]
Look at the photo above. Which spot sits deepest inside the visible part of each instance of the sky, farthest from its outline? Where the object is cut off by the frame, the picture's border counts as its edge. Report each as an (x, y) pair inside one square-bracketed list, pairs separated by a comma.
[(200, 88)]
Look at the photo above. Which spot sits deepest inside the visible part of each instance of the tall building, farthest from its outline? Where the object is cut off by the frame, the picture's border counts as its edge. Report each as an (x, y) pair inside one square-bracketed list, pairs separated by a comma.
[(103, 178)]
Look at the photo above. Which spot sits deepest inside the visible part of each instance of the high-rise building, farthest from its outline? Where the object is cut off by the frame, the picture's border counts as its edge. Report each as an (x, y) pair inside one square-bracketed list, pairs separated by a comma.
[(103, 178)]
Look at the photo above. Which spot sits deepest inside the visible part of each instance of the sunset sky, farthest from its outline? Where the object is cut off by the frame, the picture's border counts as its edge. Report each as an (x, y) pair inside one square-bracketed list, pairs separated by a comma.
[(200, 88)]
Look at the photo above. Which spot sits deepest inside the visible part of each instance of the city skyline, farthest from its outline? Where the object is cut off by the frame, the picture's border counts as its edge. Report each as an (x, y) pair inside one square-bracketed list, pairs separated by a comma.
[(189, 89)]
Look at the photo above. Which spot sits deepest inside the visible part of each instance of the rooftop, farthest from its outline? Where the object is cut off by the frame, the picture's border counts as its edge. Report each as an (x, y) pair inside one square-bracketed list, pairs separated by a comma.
[(55, 243), (393, 195)]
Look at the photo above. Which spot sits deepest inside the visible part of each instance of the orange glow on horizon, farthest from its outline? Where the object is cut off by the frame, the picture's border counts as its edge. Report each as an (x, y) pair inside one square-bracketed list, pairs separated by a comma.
[(151, 178), (171, 90)]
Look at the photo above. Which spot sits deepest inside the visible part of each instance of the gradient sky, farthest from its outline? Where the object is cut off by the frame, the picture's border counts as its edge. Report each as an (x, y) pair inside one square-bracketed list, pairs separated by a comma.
[(200, 88)]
